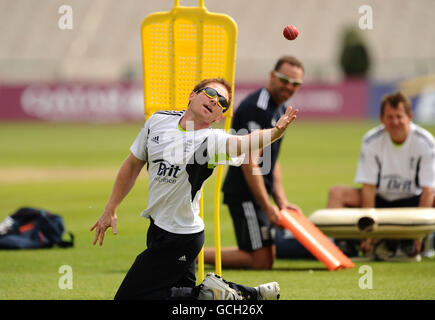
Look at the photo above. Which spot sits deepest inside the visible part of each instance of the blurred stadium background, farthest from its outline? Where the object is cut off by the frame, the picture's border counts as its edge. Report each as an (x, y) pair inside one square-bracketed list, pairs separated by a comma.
[(93, 72)]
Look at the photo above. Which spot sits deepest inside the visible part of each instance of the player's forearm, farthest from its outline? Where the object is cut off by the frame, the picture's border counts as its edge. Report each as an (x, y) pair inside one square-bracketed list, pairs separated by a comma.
[(124, 181), (278, 189), (258, 139), (256, 184), (238, 145), (368, 195), (426, 198)]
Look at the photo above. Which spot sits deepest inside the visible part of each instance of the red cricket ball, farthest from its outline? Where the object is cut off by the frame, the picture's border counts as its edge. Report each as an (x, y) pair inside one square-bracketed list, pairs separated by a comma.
[(290, 32)]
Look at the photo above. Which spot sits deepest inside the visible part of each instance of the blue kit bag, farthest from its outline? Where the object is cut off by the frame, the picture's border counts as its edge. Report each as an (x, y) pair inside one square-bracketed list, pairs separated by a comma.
[(31, 228)]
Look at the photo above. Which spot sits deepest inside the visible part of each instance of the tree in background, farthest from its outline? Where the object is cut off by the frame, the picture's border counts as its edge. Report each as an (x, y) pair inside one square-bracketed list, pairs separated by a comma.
[(354, 56)]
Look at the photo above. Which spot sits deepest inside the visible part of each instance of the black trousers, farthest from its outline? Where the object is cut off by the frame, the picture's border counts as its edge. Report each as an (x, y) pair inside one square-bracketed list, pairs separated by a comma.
[(168, 261), (408, 202)]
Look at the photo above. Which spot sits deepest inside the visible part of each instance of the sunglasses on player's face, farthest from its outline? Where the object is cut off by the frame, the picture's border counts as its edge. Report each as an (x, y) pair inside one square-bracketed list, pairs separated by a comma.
[(212, 93), (286, 80)]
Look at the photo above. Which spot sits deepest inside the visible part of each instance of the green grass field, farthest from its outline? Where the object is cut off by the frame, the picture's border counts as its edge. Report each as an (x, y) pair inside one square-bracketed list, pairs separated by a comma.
[(69, 169)]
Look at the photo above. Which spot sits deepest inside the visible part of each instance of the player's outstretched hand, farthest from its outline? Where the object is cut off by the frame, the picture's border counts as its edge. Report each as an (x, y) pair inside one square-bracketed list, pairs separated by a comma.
[(106, 220), (286, 119)]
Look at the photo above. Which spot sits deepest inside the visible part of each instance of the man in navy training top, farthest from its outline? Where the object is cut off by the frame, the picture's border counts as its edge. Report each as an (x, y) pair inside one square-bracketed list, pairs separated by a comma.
[(247, 189)]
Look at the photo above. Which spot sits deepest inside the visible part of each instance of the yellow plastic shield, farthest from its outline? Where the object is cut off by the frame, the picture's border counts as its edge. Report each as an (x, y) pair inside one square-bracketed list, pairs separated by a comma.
[(180, 48)]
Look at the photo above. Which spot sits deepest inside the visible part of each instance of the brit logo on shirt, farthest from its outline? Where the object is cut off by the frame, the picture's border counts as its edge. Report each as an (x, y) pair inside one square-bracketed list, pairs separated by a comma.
[(396, 183), (166, 171)]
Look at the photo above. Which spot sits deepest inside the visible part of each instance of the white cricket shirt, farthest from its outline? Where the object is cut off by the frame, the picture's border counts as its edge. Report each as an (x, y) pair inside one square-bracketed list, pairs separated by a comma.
[(399, 172), (178, 163)]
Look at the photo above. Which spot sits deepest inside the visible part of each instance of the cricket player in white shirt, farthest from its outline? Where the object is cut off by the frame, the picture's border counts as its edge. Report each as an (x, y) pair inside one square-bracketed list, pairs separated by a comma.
[(180, 151), (396, 166)]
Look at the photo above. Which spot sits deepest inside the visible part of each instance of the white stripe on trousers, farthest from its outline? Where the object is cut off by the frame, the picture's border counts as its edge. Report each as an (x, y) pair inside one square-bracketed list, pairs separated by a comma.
[(253, 227)]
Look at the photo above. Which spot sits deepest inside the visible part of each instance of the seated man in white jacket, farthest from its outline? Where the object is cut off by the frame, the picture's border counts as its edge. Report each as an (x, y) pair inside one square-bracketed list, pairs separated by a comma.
[(396, 166)]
